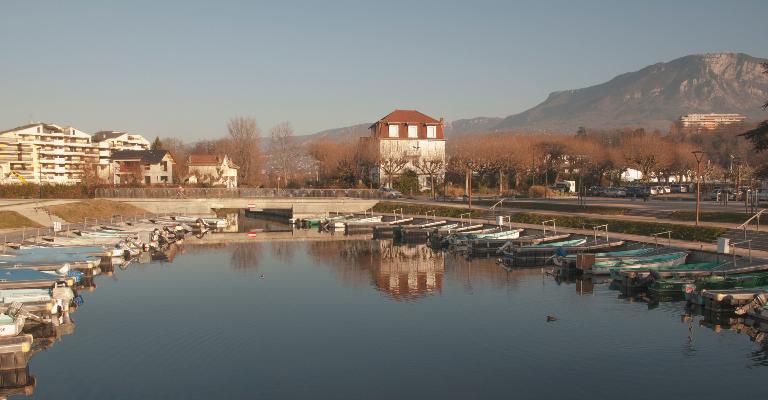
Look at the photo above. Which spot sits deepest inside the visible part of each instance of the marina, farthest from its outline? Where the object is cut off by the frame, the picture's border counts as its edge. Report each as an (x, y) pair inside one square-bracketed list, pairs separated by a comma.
[(416, 261)]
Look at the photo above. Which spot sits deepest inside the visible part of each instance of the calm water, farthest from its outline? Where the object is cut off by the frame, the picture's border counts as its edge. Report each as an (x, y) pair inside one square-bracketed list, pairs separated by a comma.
[(362, 319)]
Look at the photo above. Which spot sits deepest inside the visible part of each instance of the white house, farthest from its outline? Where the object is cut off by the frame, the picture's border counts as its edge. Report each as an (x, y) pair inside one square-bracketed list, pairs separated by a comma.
[(409, 140), (213, 169)]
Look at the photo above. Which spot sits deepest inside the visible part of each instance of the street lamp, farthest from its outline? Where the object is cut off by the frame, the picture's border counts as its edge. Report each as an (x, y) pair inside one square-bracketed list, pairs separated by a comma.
[(699, 155), (469, 183)]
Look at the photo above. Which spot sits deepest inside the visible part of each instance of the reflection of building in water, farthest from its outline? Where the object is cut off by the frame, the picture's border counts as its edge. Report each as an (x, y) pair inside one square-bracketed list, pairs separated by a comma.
[(399, 271), (408, 271)]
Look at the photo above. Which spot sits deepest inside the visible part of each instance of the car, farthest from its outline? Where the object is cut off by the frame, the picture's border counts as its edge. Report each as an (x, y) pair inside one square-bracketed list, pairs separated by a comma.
[(615, 192), (762, 194), (679, 188), (718, 194), (389, 193), (667, 189)]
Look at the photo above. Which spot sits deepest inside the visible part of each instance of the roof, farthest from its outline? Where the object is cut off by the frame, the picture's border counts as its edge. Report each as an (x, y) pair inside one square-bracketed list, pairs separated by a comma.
[(104, 135), (412, 116), (146, 156), (49, 126), (205, 159)]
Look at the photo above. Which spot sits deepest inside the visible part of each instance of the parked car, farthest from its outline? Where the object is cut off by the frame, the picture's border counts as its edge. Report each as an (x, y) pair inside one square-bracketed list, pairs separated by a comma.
[(762, 194), (718, 194), (667, 189), (679, 188), (389, 193), (615, 192)]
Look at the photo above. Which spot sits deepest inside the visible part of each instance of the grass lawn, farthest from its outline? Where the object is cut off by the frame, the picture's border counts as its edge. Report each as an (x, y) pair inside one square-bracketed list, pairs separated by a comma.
[(97, 208), (735, 218), (559, 207), (12, 219)]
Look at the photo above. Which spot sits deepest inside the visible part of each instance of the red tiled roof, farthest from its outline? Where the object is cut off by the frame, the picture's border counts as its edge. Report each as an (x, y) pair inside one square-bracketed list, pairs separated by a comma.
[(205, 159), (409, 116)]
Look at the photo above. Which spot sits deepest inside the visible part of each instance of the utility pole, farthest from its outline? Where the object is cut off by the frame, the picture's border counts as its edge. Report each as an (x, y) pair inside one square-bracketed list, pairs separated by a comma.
[(699, 155)]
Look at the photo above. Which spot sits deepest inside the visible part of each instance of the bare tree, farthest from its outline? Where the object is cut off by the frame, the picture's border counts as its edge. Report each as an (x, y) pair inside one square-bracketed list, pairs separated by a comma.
[(432, 165), (246, 150), (283, 151)]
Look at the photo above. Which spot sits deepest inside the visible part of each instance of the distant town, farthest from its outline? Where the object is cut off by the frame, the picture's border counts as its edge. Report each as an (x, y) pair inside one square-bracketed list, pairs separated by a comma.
[(401, 144)]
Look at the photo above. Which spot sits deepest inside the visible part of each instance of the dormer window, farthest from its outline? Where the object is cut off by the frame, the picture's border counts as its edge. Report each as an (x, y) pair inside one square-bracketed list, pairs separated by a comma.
[(393, 131), (413, 131), (431, 132)]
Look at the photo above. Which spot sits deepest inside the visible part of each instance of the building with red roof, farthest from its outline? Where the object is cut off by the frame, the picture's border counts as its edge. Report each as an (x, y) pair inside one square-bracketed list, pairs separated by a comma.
[(409, 140)]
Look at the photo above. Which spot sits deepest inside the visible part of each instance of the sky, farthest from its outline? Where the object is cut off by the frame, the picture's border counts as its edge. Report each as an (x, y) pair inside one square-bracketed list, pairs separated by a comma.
[(184, 68)]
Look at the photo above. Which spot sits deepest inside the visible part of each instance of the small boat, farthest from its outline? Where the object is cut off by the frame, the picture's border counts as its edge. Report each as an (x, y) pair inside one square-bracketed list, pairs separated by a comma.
[(509, 234), (644, 271), (720, 282), (650, 262), (22, 278), (11, 325), (604, 256)]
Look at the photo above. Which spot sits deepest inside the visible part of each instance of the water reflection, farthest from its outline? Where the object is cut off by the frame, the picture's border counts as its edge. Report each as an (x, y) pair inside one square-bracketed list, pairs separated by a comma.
[(16, 382)]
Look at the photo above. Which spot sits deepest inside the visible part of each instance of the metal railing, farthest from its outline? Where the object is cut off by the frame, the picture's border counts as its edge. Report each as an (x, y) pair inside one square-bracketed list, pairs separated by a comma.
[(656, 238), (38, 235), (223, 193), (545, 223), (755, 217)]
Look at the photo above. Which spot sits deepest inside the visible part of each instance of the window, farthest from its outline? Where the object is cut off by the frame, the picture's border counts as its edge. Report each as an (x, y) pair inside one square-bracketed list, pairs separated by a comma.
[(164, 179), (165, 165), (146, 180), (393, 131), (413, 131), (431, 132)]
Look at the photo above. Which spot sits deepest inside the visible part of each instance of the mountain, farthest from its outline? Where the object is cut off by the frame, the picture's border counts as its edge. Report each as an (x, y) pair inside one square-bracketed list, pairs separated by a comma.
[(654, 96), (358, 130), (472, 125)]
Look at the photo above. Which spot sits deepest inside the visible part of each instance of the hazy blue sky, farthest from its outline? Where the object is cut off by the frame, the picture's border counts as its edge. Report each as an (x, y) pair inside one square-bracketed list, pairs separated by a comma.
[(183, 68)]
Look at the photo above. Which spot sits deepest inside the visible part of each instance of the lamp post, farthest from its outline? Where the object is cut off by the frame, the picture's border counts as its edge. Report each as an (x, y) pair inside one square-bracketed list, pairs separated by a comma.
[(699, 155), (469, 183)]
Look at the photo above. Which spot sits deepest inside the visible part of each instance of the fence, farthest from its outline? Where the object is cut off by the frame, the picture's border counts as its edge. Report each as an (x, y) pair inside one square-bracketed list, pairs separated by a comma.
[(36, 234), (222, 193)]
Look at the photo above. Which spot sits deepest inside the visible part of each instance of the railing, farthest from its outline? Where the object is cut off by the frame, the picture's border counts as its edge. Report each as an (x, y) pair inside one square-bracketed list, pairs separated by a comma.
[(37, 235), (599, 227), (746, 223), (545, 223), (469, 219), (656, 238), (209, 193), (733, 250)]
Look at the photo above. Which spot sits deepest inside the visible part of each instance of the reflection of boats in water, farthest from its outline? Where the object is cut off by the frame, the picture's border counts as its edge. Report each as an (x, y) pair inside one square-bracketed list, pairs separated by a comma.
[(16, 382)]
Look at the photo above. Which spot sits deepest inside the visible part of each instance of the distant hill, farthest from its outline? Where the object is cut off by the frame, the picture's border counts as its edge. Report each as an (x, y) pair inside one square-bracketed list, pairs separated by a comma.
[(473, 125), (358, 130), (655, 96)]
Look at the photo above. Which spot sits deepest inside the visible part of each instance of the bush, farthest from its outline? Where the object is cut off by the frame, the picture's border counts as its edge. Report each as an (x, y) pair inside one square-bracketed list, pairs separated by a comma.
[(408, 183)]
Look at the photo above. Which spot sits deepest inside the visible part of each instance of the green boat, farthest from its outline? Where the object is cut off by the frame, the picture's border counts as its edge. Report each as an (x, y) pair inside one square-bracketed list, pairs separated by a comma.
[(570, 259), (734, 281), (616, 273), (714, 282), (651, 262)]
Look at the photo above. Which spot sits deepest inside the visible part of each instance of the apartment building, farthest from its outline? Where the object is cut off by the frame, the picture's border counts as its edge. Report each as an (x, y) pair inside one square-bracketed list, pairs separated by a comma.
[(48, 153), (712, 122), (109, 142)]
